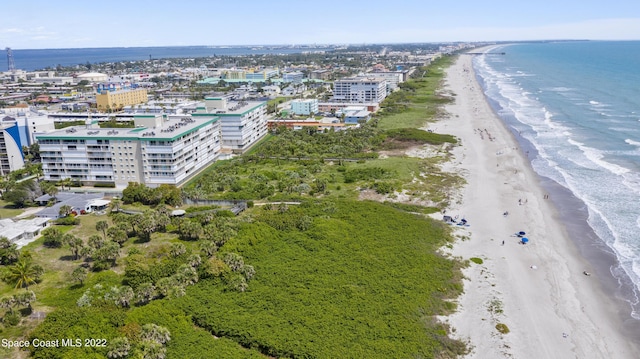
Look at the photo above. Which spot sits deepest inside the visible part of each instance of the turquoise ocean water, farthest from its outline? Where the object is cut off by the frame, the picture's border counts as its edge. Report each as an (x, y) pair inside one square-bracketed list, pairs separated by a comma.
[(576, 106)]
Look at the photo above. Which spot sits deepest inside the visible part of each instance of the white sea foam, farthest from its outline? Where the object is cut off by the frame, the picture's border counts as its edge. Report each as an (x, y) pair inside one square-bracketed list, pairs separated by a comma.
[(596, 156), (632, 142)]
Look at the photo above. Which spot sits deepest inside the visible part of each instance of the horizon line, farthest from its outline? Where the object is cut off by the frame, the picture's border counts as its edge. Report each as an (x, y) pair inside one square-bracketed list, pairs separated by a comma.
[(316, 45)]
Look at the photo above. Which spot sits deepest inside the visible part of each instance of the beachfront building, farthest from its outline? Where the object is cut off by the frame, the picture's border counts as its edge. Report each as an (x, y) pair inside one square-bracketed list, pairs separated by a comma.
[(393, 78), (242, 123), (111, 100), (360, 90), (304, 107), (159, 150)]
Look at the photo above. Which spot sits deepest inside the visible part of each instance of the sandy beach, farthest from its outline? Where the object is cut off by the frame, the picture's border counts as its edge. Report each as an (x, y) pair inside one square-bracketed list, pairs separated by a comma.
[(538, 290)]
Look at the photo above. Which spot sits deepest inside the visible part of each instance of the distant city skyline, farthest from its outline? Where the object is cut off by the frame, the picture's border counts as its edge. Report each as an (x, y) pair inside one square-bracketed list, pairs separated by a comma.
[(79, 24)]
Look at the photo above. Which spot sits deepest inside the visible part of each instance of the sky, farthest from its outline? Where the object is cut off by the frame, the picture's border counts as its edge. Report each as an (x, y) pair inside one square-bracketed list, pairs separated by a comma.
[(39, 24)]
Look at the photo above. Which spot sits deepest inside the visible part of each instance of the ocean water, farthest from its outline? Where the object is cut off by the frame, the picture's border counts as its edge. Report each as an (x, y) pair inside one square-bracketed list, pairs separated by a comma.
[(30, 60), (577, 106)]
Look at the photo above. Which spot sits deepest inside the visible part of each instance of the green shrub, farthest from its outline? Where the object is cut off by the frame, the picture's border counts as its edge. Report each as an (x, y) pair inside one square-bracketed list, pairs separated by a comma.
[(476, 260), (195, 209), (371, 173), (12, 318), (383, 187), (502, 328), (68, 221)]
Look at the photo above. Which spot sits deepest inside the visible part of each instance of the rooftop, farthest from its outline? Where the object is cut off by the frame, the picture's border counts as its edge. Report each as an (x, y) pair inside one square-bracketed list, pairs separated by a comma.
[(170, 129)]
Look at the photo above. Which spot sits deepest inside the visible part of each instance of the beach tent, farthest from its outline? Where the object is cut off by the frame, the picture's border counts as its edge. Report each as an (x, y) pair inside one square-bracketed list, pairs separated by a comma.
[(525, 240)]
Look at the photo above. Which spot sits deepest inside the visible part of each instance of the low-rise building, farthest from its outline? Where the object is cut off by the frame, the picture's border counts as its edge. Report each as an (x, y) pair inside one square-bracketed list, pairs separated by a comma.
[(24, 231), (304, 107), (355, 114), (337, 106)]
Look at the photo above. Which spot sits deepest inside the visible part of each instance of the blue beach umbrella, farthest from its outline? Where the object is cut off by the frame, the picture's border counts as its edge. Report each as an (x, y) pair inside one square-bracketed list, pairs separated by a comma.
[(525, 240)]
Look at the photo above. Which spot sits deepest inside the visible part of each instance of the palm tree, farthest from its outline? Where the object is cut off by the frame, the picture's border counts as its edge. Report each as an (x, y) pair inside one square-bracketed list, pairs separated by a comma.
[(65, 182), (52, 191), (117, 235), (75, 244), (145, 292), (155, 333), (23, 273), (102, 226), (65, 210), (118, 348), (115, 204), (25, 299)]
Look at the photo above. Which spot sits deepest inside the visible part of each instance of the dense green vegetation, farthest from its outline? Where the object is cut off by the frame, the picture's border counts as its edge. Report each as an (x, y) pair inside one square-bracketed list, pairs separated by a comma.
[(349, 286), (333, 279)]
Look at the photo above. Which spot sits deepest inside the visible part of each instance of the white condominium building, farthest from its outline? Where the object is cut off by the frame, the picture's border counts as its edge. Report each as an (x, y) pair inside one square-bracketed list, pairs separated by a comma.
[(242, 123), (359, 90), (160, 150), (393, 78)]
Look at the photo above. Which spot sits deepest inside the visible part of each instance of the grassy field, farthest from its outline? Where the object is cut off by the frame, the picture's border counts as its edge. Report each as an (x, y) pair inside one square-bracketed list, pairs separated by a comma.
[(7, 210)]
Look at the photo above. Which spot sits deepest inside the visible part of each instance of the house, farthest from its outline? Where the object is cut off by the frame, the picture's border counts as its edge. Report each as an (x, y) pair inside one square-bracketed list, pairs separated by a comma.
[(79, 203), (22, 232)]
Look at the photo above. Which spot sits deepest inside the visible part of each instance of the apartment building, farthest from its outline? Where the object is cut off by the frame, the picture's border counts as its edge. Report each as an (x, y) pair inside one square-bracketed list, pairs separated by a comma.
[(159, 150), (294, 77), (393, 78), (304, 107), (262, 75), (110, 100), (321, 74), (360, 90), (242, 123)]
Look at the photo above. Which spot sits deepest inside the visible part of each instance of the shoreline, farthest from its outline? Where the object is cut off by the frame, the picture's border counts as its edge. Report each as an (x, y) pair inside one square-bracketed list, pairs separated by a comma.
[(537, 290)]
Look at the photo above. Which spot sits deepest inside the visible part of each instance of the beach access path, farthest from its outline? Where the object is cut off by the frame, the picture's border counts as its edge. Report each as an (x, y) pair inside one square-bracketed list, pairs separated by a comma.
[(538, 290)]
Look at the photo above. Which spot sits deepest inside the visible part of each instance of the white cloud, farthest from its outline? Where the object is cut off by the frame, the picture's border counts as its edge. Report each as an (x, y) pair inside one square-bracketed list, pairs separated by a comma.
[(12, 30)]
